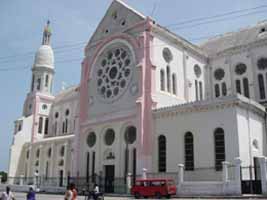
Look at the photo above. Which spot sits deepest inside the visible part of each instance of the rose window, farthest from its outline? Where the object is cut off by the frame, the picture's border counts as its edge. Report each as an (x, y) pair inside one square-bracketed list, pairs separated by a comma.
[(113, 72)]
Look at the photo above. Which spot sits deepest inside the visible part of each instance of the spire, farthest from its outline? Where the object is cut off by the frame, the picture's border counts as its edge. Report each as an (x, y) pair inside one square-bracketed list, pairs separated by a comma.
[(47, 34)]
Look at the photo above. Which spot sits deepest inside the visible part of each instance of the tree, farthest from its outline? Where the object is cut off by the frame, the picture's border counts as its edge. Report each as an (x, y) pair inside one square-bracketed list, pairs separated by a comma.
[(4, 176)]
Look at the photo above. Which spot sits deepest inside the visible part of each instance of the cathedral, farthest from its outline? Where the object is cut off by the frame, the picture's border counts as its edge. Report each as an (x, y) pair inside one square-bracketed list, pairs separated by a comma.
[(147, 99)]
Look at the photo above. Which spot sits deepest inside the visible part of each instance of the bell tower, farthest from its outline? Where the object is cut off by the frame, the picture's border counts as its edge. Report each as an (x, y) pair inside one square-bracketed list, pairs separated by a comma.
[(40, 97)]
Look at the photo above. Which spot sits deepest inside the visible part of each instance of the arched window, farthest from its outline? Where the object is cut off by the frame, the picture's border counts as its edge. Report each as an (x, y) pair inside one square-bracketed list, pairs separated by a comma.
[(33, 82), (174, 82), (246, 87), (46, 126), (162, 80), (217, 90), (200, 90), (40, 128), (196, 89), (38, 84), (219, 145), (261, 86), (224, 89), (46, 80), (162, 153), (55, 128), (66, 126), (189, 151), (238, 86), (168, 79)]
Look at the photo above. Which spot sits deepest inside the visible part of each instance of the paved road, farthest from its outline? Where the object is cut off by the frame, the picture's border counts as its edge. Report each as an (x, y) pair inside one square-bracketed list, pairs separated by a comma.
[(21, 196)]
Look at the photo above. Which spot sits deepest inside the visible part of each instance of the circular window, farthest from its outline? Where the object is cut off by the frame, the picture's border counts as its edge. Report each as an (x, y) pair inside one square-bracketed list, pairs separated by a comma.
[(49, 153), (167, 55), (67, 112), (44, 107), (255, 144), (109, 137), (240, 69), (130, 135), (56, 115), (262, 63), (219, 74), (113, 72), (91, 139), (123, 22), (197, 71)]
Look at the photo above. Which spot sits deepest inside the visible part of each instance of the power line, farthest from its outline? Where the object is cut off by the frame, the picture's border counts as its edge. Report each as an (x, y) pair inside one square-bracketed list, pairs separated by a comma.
[(215, 16)]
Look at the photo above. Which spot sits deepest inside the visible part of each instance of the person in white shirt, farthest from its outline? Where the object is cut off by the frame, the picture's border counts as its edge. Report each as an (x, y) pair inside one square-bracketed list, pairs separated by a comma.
[(68, 194), (96, 192), (7, 195)]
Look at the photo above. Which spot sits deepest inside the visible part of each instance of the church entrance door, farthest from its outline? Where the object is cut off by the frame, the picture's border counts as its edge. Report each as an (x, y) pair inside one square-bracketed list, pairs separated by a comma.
[(109, 178)]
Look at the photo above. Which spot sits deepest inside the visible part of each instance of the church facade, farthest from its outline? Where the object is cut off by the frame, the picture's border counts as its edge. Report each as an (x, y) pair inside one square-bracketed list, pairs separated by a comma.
[(149, 99)]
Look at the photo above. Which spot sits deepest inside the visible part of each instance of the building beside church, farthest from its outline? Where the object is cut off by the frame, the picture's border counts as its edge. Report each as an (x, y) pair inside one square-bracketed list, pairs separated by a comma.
[(149, 99)]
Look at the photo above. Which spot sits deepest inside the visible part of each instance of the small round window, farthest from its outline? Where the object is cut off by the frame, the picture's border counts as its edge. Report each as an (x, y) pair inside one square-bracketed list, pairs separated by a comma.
[(130, 135), (109, 137), (44, 107), (240, 69), (219, 74), (91, 139), (167, 55), (262, 63), (197, 71)]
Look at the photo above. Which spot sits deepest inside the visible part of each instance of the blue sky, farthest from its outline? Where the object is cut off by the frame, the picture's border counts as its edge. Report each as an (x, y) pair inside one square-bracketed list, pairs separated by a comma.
[(73, 22)]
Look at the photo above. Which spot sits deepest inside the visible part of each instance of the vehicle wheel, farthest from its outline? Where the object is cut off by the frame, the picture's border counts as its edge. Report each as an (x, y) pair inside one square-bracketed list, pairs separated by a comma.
[(158, 195), (168, 196), (137, 195)]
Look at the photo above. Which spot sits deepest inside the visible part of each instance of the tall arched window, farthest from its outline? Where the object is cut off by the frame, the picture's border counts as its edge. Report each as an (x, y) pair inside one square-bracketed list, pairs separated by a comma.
[(33, 79), (200, 90), (46, 126), (40, 128), (224, 89), (261, 86), (168, 79), (174, 82), (246, 87), (162, 80), (217, 90), (66, 126), (196, 90), (189, 151), (238, 86), (162, 153), (38, 84), (46, 80), (219, 145)]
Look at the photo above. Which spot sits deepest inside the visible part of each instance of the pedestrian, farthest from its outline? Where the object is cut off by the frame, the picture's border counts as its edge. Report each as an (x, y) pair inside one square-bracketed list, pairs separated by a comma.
[(96, 192), (31, 194), (68, 193), (7, 195), (74, 191)]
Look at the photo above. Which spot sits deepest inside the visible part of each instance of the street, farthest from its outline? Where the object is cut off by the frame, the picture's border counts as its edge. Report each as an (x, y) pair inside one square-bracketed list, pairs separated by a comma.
[(22, 196)]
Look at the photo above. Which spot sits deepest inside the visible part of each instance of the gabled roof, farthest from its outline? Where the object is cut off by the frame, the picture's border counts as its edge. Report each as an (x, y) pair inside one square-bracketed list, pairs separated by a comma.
[(108, 22), (235, 39), (67, 94)]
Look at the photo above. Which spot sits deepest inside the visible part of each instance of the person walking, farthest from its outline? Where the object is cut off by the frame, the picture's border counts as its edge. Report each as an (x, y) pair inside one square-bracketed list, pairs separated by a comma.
[(74, 191), (7, 195), (96, 192), (31, 194), (68, 193)]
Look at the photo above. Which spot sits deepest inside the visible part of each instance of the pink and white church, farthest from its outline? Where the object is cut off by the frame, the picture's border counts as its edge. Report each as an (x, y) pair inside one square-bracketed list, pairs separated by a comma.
[(147, 99)]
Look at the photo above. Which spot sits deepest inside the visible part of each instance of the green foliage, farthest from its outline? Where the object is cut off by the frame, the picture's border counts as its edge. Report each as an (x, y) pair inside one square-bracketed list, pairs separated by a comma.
[(4, 176)]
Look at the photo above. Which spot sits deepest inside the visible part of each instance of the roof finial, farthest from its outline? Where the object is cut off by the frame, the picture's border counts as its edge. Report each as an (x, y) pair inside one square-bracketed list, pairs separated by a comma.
[(47, 34)]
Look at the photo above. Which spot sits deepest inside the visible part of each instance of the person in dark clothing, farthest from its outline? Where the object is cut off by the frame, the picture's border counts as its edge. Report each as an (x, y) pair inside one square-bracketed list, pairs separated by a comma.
[(31, 194)]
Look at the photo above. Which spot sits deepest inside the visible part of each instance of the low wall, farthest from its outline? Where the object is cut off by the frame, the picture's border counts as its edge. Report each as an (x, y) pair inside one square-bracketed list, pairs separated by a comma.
[(25, 188), (204, 188)]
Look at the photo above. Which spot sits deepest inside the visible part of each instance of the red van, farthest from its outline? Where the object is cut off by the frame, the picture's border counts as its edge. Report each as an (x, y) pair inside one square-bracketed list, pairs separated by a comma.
[(153, 188)]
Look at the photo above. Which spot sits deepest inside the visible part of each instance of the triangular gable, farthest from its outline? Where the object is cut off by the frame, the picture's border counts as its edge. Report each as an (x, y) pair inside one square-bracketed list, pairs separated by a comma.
[(118, 17)]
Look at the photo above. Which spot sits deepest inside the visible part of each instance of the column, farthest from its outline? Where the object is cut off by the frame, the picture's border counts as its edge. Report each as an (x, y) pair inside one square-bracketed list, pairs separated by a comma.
[(180, 174), (225, 177), (144, 174), (237, 170), (21, 178), (262, 161), (129, 183), (65, 163)]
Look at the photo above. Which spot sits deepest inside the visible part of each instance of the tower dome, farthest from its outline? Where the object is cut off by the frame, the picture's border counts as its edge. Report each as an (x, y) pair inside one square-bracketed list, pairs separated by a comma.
[(44, 57)]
